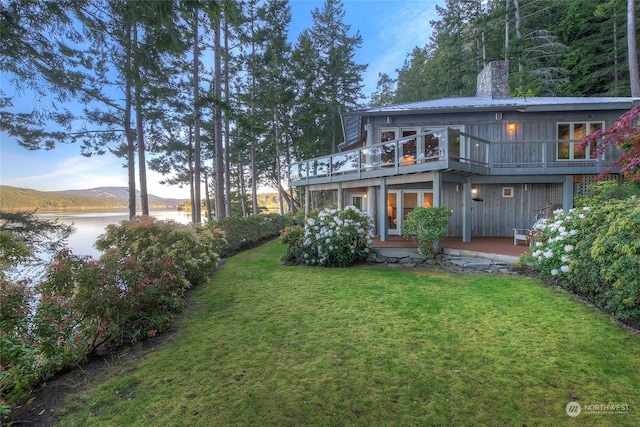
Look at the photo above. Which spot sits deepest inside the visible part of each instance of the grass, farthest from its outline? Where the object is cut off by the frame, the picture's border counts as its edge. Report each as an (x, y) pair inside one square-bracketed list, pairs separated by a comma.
[(264, 344)]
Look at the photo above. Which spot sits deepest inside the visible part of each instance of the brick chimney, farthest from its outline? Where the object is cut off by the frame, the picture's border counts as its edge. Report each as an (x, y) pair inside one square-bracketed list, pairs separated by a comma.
[(493, 80)]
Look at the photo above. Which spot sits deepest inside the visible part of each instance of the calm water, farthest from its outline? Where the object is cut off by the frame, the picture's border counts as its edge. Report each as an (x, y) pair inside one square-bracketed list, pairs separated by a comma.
[(89, 225)]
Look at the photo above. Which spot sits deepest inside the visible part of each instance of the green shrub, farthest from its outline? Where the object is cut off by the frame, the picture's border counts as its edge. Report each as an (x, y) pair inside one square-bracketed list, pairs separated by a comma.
[(595, 252), (18, 357), (332, 238), (111, 301), (133, 291), (194, 249), (293, 237), (428, 226), (243, 233)]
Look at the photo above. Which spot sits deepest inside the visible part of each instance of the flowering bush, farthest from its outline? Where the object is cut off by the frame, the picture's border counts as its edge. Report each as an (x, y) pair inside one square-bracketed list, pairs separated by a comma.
[(332, 238), (192, 248), (555, 242), (132, 292), (594, 252)]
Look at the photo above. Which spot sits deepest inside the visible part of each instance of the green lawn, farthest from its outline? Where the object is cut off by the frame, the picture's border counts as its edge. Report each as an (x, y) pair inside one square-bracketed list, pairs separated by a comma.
[(265, 344)]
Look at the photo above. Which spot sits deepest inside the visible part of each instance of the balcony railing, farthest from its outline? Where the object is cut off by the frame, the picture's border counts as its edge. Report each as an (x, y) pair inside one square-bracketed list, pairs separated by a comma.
[(434, 150), (446, 149)]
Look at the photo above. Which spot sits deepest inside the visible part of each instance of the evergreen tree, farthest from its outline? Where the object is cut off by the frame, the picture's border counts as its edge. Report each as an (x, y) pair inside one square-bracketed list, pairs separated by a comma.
[(340, 77)]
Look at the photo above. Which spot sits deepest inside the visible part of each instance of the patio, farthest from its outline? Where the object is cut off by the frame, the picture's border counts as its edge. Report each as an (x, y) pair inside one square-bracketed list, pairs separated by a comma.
[(495, 248)]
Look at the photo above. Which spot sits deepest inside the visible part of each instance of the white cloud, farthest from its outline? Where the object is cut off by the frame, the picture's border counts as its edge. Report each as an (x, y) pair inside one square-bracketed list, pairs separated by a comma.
[(33, 170)]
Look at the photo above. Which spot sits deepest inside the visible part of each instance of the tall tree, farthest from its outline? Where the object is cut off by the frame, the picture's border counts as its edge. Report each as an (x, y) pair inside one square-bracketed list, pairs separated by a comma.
[(634, 74), (385, 91), (340, 76)]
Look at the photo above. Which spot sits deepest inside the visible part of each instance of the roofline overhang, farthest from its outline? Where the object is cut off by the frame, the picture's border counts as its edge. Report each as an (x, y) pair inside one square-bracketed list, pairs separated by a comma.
[(518, 106)]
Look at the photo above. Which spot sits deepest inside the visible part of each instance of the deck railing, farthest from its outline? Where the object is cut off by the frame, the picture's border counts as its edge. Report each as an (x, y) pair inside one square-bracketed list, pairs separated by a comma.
[(445, 149)]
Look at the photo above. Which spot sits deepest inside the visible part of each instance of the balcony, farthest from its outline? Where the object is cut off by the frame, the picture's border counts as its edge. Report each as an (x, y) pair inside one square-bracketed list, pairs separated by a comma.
[(448, 150)]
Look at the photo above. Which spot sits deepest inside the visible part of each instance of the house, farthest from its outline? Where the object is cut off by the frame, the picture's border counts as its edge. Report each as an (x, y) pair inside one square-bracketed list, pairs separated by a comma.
[(494, 160)]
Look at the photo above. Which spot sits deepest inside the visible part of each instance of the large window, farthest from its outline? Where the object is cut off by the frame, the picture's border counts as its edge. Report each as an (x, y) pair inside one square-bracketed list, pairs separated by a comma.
[(433, 149), (569, 136), (388, 151)]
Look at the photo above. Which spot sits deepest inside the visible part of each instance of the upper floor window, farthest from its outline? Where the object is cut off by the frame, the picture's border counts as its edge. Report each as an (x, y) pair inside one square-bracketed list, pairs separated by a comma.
[(569, 136)]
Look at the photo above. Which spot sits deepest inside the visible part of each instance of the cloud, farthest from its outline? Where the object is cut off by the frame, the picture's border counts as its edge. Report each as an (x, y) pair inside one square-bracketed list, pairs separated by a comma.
[(47, 171)]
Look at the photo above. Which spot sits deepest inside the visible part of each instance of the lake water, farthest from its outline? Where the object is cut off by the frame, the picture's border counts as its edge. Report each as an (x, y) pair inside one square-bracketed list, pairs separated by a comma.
[(89, 225)]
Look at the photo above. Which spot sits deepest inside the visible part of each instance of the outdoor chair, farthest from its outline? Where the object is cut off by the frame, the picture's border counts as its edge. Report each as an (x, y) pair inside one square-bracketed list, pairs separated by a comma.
[(524, 234)]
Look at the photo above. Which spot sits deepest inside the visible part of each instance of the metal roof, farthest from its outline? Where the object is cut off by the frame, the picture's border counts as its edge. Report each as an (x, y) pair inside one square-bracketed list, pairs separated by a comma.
[(533, 104)]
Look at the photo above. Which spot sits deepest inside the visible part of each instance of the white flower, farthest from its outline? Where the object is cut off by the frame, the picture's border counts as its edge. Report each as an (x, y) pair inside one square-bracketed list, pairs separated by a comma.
[(327, 240), (565, 268), (548, 254), (554, 272), (568, 248)]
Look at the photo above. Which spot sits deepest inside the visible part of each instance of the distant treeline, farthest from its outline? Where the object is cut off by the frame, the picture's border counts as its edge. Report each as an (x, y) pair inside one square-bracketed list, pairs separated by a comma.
[(15, 199)]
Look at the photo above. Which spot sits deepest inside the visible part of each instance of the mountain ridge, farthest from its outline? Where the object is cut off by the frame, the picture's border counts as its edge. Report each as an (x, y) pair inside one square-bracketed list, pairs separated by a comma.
[(16, 198)]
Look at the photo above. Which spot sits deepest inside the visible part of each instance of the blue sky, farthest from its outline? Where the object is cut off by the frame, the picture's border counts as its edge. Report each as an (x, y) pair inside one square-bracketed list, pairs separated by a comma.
[(390, 29)]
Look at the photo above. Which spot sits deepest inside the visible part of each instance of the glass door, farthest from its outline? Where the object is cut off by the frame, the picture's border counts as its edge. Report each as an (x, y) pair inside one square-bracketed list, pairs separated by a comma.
[(392, 213), (399, 204)]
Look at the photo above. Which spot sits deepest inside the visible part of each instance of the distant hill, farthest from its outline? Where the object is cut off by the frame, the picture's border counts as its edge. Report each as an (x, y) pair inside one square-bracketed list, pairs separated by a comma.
[(122, 193), (14, 198)]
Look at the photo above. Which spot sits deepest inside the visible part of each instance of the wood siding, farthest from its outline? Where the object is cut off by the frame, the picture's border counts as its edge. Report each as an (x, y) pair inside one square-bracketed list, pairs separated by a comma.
[(495, 215)]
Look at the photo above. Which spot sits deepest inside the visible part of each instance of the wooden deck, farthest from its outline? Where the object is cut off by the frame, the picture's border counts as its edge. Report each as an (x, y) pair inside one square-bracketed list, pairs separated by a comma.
[(487, 245)]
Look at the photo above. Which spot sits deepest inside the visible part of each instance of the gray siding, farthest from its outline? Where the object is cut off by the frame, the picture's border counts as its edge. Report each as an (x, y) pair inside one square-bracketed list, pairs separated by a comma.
[(496, 216)]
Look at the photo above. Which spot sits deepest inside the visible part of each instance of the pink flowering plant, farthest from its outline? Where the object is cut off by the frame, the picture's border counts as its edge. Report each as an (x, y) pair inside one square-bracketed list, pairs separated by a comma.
[(331, 238), (193, 248)]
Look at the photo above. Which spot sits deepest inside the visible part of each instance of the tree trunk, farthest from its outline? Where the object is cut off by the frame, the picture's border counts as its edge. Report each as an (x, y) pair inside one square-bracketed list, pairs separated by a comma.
[(131, 143), (219, 154), (506, 31), (519, 41), (634, 74), (227, 139), (191, 174), (142, 163), (243, 195), (196, 212), (278, 178), (207, 198)]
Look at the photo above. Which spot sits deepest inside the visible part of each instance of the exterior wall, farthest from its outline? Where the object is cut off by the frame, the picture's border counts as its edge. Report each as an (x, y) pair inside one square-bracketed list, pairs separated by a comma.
[(529, 126), (495, 215)]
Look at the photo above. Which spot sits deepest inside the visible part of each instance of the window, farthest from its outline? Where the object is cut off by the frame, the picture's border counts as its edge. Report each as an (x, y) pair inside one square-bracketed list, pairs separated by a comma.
[(388, 151), (569, 136), (357, 202), (507, 191), (408, 147), (432, 148)]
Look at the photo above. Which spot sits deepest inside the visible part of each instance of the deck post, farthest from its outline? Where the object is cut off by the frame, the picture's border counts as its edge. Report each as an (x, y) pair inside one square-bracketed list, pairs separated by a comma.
[(307, 201), (567, 193), (382, 210), (340, 196), (437, 190), (466, 211)]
